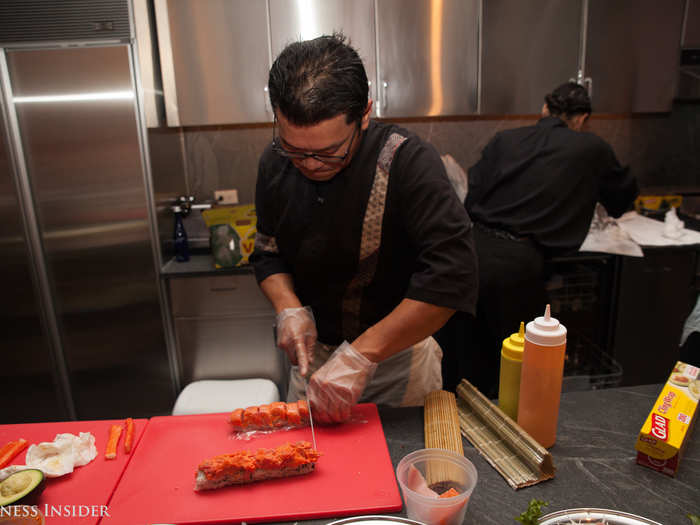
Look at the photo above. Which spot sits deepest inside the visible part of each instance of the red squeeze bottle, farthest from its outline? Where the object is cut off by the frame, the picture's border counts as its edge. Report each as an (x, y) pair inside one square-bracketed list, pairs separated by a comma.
[(541, 378)]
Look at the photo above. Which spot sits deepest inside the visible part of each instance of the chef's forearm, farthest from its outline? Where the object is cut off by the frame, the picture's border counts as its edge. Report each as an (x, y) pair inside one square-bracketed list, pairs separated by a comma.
[(279, 289), (410, 322)]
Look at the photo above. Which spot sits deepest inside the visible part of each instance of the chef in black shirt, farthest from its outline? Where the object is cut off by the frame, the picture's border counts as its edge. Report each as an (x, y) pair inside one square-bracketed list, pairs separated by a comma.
[(532, 195), (362, 245)]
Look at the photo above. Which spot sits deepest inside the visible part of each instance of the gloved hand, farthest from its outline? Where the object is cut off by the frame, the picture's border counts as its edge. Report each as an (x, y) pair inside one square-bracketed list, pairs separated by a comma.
[(335, 387), (296, 335)]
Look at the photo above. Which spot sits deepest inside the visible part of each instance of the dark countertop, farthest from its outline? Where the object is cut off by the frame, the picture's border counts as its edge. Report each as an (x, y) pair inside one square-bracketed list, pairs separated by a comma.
[(594, 456), (200, 264)]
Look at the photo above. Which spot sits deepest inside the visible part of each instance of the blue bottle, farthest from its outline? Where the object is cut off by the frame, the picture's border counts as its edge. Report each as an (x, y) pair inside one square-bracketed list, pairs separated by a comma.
[(182, 249)]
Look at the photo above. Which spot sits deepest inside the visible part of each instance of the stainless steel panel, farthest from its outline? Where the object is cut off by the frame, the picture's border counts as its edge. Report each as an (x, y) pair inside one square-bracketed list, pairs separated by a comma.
[(26, 374), (529, 48), (230, 348), (217, 295), (427, 57), (691, 28), (215, 60), (292, 20), (82, 153), (44, 20), (632, 54), (148, 63)]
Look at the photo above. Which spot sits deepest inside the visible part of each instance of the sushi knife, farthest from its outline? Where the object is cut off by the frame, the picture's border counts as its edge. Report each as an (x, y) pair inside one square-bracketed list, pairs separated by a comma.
[(311, 417)]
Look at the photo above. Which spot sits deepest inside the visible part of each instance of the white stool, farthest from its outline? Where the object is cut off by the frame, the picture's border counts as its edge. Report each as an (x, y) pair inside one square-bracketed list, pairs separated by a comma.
[(224, 395)]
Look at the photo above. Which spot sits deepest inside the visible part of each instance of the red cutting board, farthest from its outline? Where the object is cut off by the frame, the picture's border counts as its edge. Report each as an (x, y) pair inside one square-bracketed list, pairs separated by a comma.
[(354, 475), (77, 497)]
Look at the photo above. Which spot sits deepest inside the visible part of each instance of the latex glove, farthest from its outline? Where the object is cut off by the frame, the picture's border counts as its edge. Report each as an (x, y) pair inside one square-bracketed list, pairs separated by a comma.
[(335, 387), (296, 335)]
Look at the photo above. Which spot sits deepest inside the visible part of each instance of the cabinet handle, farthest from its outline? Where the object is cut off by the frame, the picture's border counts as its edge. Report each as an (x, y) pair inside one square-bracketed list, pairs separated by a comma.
[(588, 84), (223, 289), (268, 105), (384, 102)]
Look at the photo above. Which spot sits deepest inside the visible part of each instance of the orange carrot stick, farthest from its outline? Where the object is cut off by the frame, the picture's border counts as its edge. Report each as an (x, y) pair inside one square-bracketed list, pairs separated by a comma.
[(114, 433), (129, 436), (10, 450)]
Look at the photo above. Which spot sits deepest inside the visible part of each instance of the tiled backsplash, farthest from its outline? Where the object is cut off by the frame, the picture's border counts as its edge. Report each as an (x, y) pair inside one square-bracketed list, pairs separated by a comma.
[(663, 152)]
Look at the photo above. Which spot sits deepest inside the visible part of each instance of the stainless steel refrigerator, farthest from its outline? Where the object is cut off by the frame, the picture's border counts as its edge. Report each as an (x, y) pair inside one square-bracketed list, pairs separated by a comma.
[(81, 320)]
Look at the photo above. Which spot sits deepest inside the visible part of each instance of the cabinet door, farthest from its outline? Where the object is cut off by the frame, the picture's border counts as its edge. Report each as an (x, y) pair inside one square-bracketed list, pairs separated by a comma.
[(236, 347), (632, 49), (657, 292), (215, 60), (529, 48), (427, 58), (292, 20)]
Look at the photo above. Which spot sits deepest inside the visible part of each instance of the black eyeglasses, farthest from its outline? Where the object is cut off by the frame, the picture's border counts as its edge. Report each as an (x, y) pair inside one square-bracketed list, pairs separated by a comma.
[(330, 160)]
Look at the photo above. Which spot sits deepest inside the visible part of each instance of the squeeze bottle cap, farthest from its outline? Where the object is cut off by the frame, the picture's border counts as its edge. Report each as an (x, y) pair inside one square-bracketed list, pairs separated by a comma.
[(513, 345), (546, 330)]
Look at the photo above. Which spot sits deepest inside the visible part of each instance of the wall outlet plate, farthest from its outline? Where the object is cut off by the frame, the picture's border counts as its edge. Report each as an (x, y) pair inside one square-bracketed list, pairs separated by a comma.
[(226, 196)]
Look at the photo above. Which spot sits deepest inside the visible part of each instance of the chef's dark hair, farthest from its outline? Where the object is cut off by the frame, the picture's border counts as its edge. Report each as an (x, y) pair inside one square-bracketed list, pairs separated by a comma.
[(318, 79), (568, 99)]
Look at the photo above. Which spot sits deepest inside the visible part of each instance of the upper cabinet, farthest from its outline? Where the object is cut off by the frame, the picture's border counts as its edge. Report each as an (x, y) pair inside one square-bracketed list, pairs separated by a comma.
[(626, 51), (427, 57), (292, 20), (215, 58), (632, 54), (529, 48)]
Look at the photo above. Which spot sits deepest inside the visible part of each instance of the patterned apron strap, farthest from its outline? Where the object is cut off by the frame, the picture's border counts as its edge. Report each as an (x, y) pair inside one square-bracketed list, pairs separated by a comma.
[(370, 239)]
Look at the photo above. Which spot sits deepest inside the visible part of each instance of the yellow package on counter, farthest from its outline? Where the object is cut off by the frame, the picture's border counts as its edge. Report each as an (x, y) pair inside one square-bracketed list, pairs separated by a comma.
[(667, 429), (657, 202), (232, 230)]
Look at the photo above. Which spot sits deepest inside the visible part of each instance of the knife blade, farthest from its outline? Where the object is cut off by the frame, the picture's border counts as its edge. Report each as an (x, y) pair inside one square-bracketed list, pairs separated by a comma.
[(311, 417)]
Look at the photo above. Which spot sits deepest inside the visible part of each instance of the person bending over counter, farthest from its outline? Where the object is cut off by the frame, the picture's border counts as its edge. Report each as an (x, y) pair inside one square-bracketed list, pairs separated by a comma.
[(363, 247), (532, 196)]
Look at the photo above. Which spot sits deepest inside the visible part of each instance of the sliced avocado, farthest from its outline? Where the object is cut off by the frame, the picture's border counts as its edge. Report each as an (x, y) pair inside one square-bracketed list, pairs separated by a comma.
[(23, 485)]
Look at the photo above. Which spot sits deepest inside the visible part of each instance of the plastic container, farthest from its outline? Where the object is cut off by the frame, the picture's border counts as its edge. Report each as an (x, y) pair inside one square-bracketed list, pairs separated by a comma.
[(451, 470), (541, 378), (511, 365)]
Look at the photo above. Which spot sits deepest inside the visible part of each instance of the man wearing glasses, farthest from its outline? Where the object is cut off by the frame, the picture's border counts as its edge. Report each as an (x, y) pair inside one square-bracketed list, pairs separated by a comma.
[(363, 247)]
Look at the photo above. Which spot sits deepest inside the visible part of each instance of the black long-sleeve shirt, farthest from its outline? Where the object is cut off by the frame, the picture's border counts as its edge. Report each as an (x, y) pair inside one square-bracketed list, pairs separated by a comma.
[(319, 233), (543, 182)]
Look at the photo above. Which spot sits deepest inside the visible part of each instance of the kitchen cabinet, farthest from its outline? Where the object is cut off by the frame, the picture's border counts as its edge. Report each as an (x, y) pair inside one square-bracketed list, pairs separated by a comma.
[(427, 57), (656, 294), (291, 20), (215, 59), (631, 54), (528, 49), (627, 48), (224, 329)]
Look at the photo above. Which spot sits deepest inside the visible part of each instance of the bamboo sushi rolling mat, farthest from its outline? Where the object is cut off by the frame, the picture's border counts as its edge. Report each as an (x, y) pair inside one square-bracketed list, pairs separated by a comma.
[(505, 445)]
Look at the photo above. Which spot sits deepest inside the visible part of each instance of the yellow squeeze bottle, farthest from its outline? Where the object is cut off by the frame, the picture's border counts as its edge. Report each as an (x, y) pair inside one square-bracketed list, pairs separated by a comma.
[(511, 364)]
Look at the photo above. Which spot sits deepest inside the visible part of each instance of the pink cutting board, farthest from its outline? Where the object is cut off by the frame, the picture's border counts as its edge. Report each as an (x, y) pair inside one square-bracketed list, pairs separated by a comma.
[(354, 475), (77, 497)]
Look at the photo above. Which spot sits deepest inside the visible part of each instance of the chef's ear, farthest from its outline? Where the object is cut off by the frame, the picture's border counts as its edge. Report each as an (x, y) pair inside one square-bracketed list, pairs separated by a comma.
[(366, 116), (545, 110), (578, 121)]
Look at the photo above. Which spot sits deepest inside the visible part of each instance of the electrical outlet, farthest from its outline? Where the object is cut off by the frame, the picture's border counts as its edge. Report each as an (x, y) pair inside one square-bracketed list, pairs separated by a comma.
[(226, 196)]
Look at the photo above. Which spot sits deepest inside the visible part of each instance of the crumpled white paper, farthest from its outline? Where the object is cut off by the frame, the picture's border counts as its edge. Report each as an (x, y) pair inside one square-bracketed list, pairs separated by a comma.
[(58, 457), (605, 235), (650, 232)]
